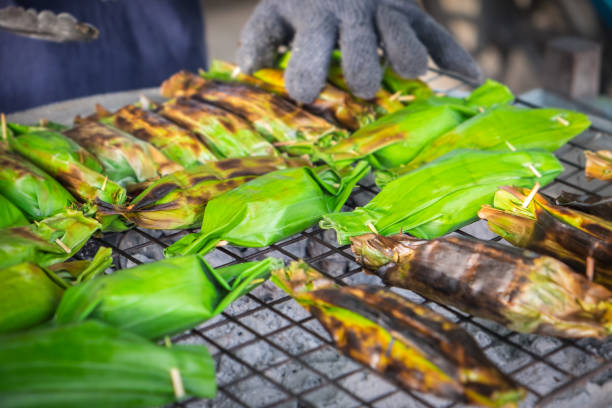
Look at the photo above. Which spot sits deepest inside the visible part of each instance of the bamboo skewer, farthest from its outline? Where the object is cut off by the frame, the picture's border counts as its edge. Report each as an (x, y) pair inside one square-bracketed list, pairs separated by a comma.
[(63, 246), (177, 383), (531, 195)]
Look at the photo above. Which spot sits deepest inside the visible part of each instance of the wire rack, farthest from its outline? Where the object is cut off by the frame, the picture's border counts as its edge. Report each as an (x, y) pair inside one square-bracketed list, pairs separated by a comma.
[(270, 352)]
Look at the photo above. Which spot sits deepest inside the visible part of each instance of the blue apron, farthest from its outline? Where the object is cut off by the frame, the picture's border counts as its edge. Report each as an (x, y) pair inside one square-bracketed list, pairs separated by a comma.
[(141, 43)]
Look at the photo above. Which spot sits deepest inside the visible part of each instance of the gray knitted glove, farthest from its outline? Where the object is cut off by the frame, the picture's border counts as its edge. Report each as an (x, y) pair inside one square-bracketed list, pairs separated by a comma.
[(405, 32)]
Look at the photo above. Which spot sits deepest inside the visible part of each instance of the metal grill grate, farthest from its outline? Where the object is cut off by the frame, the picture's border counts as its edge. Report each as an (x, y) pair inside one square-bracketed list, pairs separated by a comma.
[(271, 352)]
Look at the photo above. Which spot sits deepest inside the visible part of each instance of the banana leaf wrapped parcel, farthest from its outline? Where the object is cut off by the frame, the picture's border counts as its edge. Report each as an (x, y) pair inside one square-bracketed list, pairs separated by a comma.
[(416, 347), (228, 135), (569, 235), (445, 194), (164, 297), (593, 204), (69, 163), (178, 200), (332, 103), (125, 159), (10, 215), (49, 241), (506, 127), (599, 165), (95, 365), (271, 208), (278, 120), (33, 191), (522, 290)]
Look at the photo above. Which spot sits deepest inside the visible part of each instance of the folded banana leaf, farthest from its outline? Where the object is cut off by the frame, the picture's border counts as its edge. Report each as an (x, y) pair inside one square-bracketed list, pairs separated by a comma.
[(126, 159), (164, 297), (414, 346), (10, 215), (503, 128), (29, 188), (95, 365), (29, 294), (397, 139), (69, 163), (566, 234), (522, 290), (228, 135), (271, 207), (587, 203), (178, 200), (599, 165), (176, 143), (291, 128), (443, 195), (333, 104), (49, 241)]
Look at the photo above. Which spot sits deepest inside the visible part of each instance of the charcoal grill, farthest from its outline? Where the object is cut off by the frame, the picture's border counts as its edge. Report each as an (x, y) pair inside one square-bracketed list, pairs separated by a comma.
[(270, 352)]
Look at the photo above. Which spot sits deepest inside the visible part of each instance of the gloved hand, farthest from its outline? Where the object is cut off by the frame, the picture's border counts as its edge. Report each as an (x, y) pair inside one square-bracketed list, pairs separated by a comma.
[(404, 32)]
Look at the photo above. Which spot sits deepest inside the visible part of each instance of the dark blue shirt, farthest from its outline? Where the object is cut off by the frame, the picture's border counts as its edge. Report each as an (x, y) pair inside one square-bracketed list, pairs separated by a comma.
[(141, 43)]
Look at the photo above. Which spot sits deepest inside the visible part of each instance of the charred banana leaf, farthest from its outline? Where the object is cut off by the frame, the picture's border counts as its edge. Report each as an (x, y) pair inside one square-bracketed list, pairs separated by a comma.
[(525, 291), (126, 160), (49, 241), (10, 215), (443, 195), (566, 234), (32, 190), (599, 165), (164, 297), (69, 163), (178, 144), (291, 128), (228, 135), (271, 208), (333, 103), (410, 343), (95, 365), (587, 203), (178, 200)]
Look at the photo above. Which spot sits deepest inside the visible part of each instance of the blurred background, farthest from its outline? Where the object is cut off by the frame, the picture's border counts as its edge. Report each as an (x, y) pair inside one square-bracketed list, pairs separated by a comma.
[(526, 44)]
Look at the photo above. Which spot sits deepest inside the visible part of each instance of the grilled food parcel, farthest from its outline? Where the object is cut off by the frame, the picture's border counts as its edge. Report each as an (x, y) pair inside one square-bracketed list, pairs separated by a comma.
[(29, 188), (29, 294), (333, 104), (445, 194), (178, 200), (175, 142), (164, 297), (581, 240), (599, 165), (410, 343), (282, 123), (271, 207), (588, 203), (96, 365), (525, 291)]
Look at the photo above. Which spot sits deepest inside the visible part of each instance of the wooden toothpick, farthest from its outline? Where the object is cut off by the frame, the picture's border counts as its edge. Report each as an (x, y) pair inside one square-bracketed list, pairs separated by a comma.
[(104, 184), (62, 245), (371, 227), (222, 243), (177, 383), (534, 170), (562, 121), (510, 146), (590, 267), (3, 118), (531, 195)]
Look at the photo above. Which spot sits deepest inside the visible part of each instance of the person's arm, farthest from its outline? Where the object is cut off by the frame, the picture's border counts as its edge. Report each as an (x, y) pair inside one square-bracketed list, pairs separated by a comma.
[(406, 34), (44, 25)]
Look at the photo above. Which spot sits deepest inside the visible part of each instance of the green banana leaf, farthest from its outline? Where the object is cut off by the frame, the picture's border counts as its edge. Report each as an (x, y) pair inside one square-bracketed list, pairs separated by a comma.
[(271, 207), (284, 124), (49, 241), (411, 344), (332, 103), (398, 138), (162, 298), (126, 159), (73, 166), (178, 144), (95, 365), (444, 195), (227, 134), (10, 215), (29, 294), (413, 87), (29, 188), (503, 128)]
